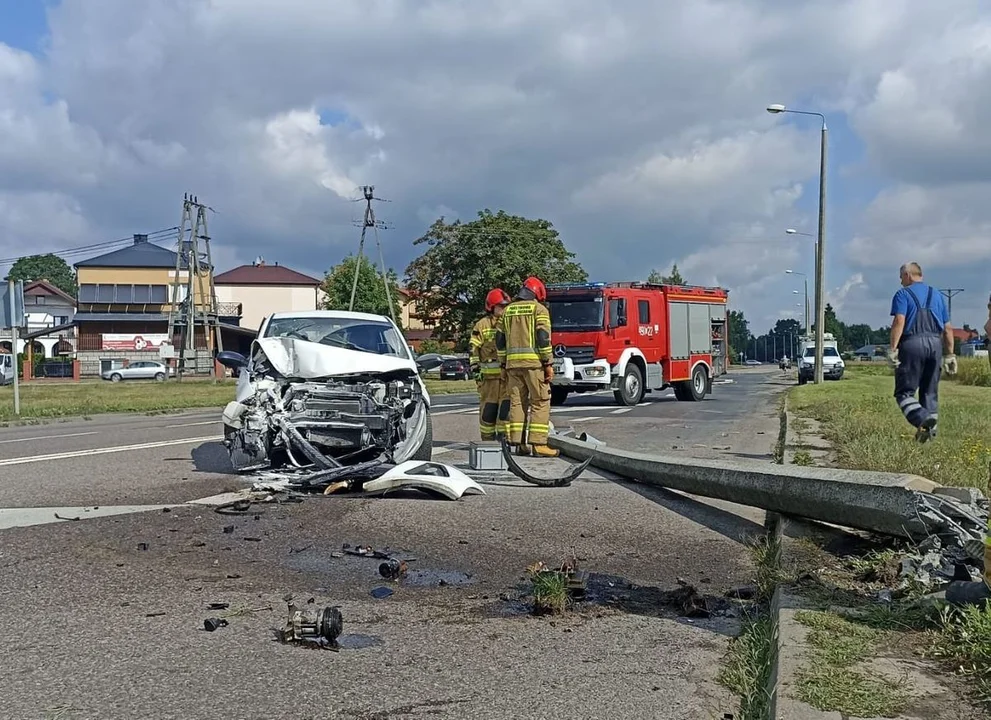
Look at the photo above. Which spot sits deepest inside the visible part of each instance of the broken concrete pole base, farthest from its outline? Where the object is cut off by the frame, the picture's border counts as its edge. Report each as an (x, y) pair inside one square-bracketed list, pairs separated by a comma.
[(896, 504)]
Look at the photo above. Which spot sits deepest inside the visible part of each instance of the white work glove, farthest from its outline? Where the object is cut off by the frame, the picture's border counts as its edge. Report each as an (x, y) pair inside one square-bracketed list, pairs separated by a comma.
[(893, 358), (950, 364)]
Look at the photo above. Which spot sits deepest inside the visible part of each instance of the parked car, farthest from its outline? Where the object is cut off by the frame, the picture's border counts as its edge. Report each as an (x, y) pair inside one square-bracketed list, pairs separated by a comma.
[(832, 364), (454, 369), (141, 370), (752, 362)]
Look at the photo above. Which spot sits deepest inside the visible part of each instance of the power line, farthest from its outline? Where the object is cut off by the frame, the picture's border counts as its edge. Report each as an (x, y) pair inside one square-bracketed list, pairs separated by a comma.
[(84, 249)]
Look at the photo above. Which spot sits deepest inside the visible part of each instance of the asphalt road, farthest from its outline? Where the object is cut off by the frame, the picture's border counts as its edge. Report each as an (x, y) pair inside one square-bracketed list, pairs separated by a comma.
[(76, 595)]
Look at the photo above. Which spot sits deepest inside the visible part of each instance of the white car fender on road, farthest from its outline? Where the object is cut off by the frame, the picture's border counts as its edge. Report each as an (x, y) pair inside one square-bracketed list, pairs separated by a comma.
[(430, 476)]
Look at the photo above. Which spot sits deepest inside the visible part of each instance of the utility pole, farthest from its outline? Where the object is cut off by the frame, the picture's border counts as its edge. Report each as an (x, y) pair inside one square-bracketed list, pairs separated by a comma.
[(193, 303), (949, 294), (369, 221)]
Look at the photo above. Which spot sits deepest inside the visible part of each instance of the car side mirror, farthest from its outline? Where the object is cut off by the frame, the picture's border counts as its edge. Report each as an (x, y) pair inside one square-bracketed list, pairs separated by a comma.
[(232, 360)]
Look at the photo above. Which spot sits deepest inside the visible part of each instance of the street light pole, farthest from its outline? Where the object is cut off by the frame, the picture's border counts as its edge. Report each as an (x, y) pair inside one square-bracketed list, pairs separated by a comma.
[(820, 243), (806, 277)]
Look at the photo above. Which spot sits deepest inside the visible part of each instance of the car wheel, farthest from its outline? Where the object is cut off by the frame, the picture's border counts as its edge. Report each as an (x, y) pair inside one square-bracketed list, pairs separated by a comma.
[(426, 450), (630, 391), (160, 377), (116, 377)]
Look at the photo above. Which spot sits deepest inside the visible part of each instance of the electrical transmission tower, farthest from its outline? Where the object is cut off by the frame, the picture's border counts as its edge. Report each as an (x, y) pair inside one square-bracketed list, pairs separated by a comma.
[(369, 221), (193, 303), (949, 294)]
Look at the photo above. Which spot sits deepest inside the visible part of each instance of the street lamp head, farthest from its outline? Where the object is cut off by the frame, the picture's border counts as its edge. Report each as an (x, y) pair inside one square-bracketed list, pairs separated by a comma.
[(789, 272), (795, 292), (775, 109), (791, 231)]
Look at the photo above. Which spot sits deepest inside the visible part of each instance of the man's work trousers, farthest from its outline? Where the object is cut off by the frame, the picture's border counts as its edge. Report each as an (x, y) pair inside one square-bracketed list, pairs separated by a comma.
[(491, 394), (528, 391), (920, 360)]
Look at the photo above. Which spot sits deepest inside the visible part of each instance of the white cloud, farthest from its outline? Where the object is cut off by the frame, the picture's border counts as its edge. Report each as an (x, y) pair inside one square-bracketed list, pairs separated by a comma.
[(636, 127)]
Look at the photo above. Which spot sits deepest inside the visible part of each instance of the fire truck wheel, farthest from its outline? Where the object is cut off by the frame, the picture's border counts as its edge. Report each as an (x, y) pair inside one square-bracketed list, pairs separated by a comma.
[(558, 395), (630, 391), (693, 390)]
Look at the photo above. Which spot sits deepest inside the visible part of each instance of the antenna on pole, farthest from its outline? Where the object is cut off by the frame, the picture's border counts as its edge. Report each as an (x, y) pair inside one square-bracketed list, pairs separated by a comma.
[(369, 221)]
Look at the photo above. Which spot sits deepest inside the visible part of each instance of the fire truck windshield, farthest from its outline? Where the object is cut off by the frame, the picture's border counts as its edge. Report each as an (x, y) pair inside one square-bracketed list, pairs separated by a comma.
[(577, 313)]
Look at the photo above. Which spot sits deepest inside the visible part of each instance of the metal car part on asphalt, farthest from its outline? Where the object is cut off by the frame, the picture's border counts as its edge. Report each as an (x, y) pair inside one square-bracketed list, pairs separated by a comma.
[(321, 628)]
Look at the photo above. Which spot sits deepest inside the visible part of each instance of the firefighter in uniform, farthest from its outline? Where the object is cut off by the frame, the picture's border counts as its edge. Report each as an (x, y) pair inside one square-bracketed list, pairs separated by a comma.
[(523, 342), (484, 363)]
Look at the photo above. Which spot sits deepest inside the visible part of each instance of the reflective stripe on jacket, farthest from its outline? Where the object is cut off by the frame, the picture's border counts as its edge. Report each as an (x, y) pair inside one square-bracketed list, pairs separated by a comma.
[(523, 335), (482, 346)]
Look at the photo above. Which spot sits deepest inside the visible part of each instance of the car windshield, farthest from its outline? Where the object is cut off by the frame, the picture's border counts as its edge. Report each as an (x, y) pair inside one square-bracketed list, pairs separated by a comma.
[(826, 352), (577, 313), (371, 336)]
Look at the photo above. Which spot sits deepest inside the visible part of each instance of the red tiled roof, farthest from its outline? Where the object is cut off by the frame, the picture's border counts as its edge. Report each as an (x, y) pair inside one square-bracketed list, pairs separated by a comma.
[(264, 275), (965, 335)]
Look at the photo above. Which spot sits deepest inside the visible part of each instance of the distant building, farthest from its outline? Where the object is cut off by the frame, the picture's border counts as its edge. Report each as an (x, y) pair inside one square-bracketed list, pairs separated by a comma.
[(249, 293), (417, 325), (868, 352)]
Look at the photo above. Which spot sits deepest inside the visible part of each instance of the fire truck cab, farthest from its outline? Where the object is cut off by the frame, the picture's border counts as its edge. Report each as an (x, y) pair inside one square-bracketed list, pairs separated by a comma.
[(634, 338)]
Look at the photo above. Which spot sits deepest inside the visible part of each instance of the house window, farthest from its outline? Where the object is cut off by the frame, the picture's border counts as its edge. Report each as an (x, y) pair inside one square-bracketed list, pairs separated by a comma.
[(124, 294), (644, 307), (105, 293), (87, 292), (159, 294), (142, 293)]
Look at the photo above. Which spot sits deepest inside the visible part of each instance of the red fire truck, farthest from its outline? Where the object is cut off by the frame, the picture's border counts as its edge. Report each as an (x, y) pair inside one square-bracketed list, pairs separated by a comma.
[(635, 337)]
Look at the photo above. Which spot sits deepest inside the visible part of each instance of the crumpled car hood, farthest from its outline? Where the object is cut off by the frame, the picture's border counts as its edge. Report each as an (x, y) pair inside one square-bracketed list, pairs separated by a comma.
[(297, 358)]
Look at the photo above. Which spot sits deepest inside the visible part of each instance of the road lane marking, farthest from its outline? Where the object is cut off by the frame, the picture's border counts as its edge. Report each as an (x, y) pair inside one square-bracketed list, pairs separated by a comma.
[(620, 411), (574, 408), (106, 451), (205, 422), (49, 437), (454, 412)]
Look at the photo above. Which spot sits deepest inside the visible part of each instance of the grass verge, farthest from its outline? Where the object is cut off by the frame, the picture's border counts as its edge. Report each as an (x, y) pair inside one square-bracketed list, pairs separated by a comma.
[(40, 400), (747, 667), (964, 643), (868, 432), (831, 680)]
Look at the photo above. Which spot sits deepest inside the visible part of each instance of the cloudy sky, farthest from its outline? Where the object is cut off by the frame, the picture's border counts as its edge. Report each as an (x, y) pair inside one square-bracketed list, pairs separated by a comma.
[(637, 127)]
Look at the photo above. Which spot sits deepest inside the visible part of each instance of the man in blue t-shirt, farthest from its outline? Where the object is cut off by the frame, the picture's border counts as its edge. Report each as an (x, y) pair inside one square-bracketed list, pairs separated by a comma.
[(920, 328)]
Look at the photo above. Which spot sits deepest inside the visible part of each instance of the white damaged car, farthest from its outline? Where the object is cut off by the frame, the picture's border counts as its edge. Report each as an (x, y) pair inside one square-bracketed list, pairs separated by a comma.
[(327, 390)]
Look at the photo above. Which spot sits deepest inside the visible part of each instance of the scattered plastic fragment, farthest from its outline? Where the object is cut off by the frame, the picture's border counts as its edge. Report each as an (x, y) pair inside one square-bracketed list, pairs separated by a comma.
[(382, 592)]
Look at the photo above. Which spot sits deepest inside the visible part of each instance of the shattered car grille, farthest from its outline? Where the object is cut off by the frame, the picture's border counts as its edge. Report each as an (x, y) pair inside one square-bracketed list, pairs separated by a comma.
[(295, 420)]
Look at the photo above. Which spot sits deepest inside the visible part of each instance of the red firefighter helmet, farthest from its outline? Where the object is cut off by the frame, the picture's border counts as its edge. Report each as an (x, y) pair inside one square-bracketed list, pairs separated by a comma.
[(496, 297), (534, 285)]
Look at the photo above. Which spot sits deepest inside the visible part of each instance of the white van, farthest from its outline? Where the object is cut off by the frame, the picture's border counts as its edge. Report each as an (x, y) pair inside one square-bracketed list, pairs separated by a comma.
[(6, 369)]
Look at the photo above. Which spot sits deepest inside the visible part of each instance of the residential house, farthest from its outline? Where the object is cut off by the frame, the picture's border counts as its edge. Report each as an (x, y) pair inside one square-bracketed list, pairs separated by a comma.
[(966, 334), (48, 314), (249, 293), (124, 300), (417, 325)]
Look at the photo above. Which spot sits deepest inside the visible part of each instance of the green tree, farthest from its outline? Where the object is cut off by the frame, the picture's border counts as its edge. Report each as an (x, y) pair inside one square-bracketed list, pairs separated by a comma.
[(369, 297), (674, 278), (739, 334), (463, 261), (48, 267)]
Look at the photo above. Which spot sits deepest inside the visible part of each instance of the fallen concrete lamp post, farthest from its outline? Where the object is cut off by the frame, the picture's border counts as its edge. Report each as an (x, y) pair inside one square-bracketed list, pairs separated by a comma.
[(901, 505)]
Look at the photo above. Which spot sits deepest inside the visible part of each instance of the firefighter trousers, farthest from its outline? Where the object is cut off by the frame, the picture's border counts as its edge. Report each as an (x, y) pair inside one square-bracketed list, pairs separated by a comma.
[(528, 392), (491, 394)]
